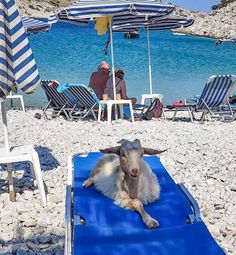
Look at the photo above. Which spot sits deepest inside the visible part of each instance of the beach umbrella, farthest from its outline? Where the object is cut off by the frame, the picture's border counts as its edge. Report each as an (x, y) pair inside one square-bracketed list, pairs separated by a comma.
[(117, 13), (155, 23), (34, 26), (17, 65)]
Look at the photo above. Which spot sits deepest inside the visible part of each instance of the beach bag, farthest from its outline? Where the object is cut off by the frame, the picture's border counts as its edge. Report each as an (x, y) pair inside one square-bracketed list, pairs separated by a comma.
[(154, 110)]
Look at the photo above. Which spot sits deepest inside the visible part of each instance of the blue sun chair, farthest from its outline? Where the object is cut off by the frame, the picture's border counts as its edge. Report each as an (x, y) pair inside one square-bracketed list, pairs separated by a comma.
[(213, 99), (95, 225)]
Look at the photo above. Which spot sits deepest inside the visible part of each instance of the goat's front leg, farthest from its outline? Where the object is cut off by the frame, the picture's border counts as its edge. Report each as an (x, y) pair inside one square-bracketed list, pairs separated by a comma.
[(136, 205), (89, 182)]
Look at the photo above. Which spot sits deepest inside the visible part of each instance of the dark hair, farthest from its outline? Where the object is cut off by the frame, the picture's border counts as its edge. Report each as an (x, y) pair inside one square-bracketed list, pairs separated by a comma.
[(119, 73)]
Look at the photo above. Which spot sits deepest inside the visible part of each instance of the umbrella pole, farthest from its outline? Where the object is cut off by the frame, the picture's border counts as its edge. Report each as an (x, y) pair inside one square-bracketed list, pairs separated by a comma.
[(113, 68), (149, 61), (4, 122), (12, 193)]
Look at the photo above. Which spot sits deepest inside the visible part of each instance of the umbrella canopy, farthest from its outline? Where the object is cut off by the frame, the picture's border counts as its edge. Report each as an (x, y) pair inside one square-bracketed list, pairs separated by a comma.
[(155, 23), (17, 65), (100, 8), (32, 25), (119, 12)]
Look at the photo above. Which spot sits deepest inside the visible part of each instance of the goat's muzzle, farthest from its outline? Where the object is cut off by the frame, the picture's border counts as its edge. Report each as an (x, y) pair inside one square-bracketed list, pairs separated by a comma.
[(134, 172)]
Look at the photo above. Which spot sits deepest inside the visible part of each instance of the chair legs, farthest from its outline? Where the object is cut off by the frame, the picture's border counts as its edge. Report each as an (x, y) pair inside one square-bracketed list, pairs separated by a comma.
[(38, 176), (12, 192)]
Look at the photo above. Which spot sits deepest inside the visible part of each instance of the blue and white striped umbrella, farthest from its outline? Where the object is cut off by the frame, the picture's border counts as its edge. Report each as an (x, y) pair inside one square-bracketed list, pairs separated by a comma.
[(88, 9), (34, 26), (17, 63), (121, 12), (155, 23)]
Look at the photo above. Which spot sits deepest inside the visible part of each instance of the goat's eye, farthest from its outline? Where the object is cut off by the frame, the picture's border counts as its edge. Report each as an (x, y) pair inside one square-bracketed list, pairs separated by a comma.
[(123, 155)]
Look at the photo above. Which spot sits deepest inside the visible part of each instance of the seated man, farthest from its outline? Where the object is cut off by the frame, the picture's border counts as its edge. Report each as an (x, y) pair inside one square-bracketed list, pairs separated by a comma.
[(120, 87), (99, 78)]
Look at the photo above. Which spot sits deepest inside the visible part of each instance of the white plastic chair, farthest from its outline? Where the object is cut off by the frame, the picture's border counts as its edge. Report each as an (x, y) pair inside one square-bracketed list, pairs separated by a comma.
[(20, 154), (19, 97)]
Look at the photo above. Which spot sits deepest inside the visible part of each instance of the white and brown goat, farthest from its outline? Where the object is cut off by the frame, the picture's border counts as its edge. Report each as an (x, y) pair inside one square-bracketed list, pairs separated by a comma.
[(126, 178)]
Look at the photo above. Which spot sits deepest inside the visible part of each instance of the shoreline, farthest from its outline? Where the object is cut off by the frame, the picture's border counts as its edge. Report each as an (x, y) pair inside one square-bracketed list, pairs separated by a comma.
[(199, 155)]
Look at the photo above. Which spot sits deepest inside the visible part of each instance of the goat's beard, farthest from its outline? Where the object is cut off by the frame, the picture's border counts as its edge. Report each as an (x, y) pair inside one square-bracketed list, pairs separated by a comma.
[(132, 185)]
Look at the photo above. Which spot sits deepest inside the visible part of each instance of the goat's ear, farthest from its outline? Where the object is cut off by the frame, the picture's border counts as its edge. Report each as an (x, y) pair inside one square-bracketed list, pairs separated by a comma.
[(110, 150), (152, 151)]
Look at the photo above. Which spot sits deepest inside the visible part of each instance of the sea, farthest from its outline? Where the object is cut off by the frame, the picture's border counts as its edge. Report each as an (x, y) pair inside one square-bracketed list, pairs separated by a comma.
[(181, 64)]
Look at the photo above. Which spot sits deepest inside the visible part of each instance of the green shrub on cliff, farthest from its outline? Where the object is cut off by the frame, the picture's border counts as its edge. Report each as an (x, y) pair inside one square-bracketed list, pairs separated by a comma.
[(222, 4)]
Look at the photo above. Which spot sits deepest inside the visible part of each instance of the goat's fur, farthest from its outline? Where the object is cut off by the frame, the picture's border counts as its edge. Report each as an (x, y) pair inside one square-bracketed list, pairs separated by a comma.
[(126, 178)]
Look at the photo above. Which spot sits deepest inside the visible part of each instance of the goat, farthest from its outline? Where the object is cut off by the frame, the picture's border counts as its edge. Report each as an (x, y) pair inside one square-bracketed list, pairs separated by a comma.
[(126, 178)]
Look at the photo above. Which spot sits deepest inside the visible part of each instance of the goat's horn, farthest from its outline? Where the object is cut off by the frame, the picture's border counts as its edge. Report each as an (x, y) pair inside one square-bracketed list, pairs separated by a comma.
[(123, 140), (150, 151)]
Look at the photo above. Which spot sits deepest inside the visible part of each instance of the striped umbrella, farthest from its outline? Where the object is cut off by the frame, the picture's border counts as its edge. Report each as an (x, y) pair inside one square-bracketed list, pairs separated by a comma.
[(32, 25), (120, 12), (17, 65), (155, 23)]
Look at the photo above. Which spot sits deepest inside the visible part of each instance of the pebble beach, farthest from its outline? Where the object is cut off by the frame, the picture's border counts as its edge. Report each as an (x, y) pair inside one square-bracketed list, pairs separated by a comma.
[(202, 156)]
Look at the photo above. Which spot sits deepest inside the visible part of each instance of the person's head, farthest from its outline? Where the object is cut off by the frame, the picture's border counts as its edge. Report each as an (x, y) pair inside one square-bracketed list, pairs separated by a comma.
[(104, 67), (120, 73)]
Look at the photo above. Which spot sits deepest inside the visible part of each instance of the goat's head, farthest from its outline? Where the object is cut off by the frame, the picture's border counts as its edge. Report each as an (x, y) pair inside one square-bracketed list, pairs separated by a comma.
[(130, 154)]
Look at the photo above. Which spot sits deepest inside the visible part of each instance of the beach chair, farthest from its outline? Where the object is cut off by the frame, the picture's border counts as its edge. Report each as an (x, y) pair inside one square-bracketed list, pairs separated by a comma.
[(86, 98), (59, 102), (95, 225), (213, 99)]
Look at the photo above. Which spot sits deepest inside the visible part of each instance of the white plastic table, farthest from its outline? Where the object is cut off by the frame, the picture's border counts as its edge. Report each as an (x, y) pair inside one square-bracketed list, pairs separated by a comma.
[(110, 103), (150, 96)]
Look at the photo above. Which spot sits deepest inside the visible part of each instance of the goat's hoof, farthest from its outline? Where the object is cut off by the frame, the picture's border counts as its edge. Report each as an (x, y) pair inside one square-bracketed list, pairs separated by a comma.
[(152, 223), (87, 183)]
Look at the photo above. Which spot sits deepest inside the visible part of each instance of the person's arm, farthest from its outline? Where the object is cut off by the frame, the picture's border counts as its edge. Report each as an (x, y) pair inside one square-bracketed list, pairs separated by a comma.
[(91, 79), (123, 90)]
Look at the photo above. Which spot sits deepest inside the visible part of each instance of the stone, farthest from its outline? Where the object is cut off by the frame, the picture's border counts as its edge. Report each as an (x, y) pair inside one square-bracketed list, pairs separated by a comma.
[(44, 239), (33, 246)]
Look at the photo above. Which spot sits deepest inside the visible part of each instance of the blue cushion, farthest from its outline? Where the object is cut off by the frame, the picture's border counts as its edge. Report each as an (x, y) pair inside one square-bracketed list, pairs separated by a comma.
[(110, 229)]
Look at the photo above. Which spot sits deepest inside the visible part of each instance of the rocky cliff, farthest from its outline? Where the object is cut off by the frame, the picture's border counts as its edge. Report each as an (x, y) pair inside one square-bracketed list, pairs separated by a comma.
[(220, 23)]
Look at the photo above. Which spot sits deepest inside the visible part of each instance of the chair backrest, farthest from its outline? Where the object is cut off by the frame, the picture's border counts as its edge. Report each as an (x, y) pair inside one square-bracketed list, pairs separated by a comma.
[(216, 91), (85, 97), (58, 99)]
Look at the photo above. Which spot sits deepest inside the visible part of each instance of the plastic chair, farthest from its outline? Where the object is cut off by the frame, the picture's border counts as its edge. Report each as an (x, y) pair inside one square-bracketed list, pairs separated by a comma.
[(19, 99)]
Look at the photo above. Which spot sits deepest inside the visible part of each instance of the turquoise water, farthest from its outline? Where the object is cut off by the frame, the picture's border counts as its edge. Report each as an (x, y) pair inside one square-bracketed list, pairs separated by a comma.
[(181, 64)]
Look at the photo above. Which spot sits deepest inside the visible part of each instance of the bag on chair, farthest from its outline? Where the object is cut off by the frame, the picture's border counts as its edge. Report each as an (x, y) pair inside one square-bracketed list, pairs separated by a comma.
[(155, 110)]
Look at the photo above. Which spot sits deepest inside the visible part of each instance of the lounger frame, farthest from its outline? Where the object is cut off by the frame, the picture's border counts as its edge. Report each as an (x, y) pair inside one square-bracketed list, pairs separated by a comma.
[(59, 102), (69, 205), (220, 108)]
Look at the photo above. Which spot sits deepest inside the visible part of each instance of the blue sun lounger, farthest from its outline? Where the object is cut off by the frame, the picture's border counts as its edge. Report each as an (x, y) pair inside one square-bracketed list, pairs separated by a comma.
[(95, 225)]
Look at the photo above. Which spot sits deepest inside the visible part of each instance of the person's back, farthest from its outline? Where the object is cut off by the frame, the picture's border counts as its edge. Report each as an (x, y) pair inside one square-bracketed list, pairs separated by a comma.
[(99, 78), (120, 87)]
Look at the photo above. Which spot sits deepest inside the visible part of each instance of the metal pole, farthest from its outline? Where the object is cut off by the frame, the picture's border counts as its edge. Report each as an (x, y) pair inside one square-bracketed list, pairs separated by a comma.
[(4, 122), (113, 69), (149, 61), (112, 62)]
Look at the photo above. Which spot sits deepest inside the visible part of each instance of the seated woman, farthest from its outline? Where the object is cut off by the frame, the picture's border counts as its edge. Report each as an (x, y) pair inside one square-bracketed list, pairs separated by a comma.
[(120, 87)]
